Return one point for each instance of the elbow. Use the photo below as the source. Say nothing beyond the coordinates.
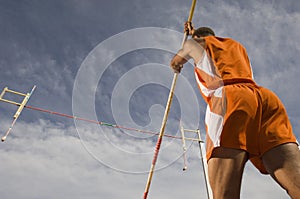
(175, 65)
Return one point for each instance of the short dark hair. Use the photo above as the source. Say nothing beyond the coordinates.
(203, 31)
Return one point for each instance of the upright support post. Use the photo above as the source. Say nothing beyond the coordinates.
(203, 160)
(21, 106)
(204, 166)
(184, 148)
(161, 132)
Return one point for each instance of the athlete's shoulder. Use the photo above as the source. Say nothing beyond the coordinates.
(222, 41)
(219, 39)
(194, 43)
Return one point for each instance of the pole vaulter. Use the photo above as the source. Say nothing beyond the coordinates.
(165, 118)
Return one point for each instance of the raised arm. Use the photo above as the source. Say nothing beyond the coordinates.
(180, 58)
(192, 49)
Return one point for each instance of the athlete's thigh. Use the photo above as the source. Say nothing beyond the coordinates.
(283, 164)
(225, 170)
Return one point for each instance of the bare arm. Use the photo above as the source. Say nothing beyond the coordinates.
(191, 50)
(177, 62)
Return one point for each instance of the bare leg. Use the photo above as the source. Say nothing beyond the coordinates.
(225, 170)
(283, 164)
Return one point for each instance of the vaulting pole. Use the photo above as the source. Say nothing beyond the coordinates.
(165, 118)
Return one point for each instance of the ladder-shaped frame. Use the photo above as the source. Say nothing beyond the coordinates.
(21, 106)
(203, 159)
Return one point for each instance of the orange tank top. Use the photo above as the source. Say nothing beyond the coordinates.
(224, 62)
(229, 58)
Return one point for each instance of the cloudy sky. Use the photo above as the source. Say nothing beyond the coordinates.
(108, 61)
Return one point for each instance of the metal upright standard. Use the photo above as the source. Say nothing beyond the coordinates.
(203, 159)
(21, 106)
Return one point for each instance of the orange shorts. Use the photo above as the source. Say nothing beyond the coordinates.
(252, 119)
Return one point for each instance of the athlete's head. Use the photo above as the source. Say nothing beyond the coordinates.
(203, 32)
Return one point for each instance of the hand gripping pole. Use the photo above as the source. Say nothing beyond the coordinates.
(165, 118)
(21, 106)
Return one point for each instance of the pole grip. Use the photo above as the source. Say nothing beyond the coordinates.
(189, 20)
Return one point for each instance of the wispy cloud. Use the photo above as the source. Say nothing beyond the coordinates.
(46, 43)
